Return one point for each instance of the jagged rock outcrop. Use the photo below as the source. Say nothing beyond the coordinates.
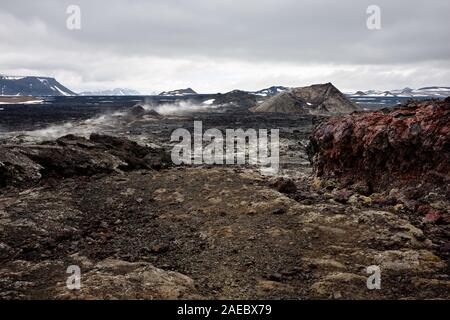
(408, 145)
(75, 156)
(315, 99)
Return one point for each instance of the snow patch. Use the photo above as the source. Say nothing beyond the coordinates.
(209, 102)
(11, 77)
(24, 102)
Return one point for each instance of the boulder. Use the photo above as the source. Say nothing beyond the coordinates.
(286, 186)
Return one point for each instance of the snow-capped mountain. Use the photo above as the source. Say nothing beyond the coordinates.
(178, 92)
(437, 92)
(268, 92)
(373, 93)
(32, 86)
(432, 91)
(114, 92)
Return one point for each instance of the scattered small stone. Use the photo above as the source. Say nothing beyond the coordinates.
(274, 276)
(279, 211)
(342, 196)
(433, 217)
(366, 200)
(353, 199)
(445, 248)
(159, 248)
(317, 184)
(285, 186)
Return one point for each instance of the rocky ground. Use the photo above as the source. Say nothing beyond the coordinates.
(144, 229)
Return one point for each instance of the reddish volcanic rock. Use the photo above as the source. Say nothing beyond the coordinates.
(410, 144)
(433, 217)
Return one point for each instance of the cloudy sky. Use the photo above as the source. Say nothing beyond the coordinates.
(220, 45)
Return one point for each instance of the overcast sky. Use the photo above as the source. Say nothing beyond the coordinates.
(220, 45)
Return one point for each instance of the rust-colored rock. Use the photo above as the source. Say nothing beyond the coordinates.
(410, 144)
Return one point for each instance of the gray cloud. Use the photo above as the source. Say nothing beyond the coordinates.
(188, 36)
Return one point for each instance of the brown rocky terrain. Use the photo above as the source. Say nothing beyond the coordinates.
(16, 99)
(140, 228)
(208, 233)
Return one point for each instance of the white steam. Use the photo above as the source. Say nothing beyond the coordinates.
(83, 128)
(110, 122)
(180, 107)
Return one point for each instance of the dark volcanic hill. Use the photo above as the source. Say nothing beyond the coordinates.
(32, 86)
(315, 99)
(237, 98)
(285, 102)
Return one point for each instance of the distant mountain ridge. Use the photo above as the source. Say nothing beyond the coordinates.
(113, 92)
(434, 91)
(178, 92)
(271, 91)
(32, 86)
(48, 86)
